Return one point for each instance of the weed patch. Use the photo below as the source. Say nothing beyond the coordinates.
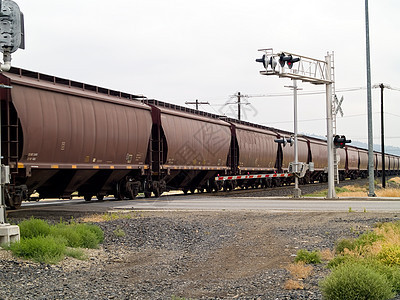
(307, 257)
(367, 267)
(291, 284)
(356, 281)
(40, 249)
(43, 243)
(299, 270)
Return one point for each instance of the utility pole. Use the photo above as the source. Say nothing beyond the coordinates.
(382, 86)
(371, 170)
(239, 96)
(197, 103)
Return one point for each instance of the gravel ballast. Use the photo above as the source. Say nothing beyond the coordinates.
(193, 255)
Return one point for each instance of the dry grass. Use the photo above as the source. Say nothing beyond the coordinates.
(291, 284)
(353, 194)
(327, 254)
(359, 191)
(110, 216)
(389, 192)
(299, 270)
(395, 179)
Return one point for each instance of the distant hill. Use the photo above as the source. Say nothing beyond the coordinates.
(388, 149)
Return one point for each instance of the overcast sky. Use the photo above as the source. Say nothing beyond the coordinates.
(183, 50)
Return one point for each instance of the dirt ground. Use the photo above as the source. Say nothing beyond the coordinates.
(200, 255)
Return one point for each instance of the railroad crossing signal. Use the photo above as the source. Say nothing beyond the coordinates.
(284, 141)
(339, 105)
(267, 61)
(340, 141)
(289, 60)
(12, 27)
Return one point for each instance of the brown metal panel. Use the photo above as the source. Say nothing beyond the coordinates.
(363, 154)
(257, 148)
(352, 159)
(387, 162)
(319, 153)
(288, 153)
(195, 140)
(342, 155)
(378, 158)
(61, 128)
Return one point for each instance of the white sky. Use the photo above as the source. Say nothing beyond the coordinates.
(183, 50)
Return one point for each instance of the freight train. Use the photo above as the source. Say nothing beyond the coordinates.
(62, 138)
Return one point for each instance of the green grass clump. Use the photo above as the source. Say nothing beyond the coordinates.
(357, 245)
(76, 253)
(307, 257)
(356, 281)
(79, 235)
(48, 244)
(119, 232)
(40, 249)
(33, 228)
(341, 259)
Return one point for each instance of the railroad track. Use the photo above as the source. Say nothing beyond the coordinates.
(282, 191)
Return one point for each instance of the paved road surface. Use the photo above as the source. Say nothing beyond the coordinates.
(201, 202)
(262, 203)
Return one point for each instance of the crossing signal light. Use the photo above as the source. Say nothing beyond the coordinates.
(12, 27)
(284, 141)
(288, 59)
(263, 60)
(267, 61)
(340, 141)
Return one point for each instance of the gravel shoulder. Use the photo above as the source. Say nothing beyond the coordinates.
(195, 255)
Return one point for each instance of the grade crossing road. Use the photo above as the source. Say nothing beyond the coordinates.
(264, 203)
(205, 202)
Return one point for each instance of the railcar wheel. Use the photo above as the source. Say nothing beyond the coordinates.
(147, 194)
(100, 197)
(185, 191)
(87, 198)
(157, 192)
(14, 202)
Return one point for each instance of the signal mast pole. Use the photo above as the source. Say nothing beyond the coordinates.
(313, 71)
(12, 38)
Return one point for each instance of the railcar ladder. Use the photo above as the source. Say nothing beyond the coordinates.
(10, 133)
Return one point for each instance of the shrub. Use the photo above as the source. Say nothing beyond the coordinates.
(366, 239)
(44, 243)
(392, 273)
(390, 255)
(79, 235)
(97, 231)
(40, 249)
(89, 238)
(341, 259)
(344, 244)
(67, 232)
(33, 228)
(356, 281)
(308, 257)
